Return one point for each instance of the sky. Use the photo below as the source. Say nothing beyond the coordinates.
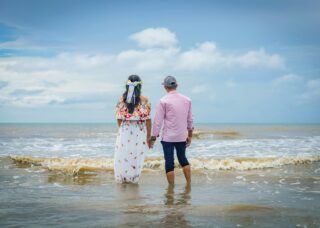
(239, 61)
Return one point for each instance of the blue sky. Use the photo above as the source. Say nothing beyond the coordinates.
(248, 61)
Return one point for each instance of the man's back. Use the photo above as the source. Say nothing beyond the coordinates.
(175, 112)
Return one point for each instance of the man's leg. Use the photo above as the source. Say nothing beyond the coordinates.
(187, 173)
(168, 149)
(181, 154)
(169, 196)
(170, 177)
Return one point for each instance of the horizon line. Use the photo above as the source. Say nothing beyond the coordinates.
(86, 122)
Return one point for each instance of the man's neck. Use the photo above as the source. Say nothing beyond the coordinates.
(172, 91)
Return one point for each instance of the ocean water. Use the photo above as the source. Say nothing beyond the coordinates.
(77, 147)
(243, 175)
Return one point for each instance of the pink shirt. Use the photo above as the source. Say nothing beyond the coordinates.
(175, 114)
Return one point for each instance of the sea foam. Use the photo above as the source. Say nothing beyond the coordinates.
(105, 164)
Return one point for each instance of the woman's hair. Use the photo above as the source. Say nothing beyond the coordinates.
(135, 100)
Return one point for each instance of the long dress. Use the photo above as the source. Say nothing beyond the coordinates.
(131, 143)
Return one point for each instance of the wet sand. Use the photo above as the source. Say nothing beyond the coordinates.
(286, 196)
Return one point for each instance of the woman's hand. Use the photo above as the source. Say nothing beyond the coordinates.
(148, 123)
(149, 143)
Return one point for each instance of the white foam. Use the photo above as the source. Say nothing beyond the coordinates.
(74, 165)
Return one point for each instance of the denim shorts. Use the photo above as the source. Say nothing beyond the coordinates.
(168, 150)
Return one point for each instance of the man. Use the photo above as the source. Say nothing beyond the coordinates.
(175, 115)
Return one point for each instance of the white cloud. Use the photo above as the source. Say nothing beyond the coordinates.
(213, 97)
(42, 81)
(199, 89)
(207, 56)
(287, 79)
(312, 90)
(259, 58)
(155, 37)
(230, 83)
(20, 44)
(70, 77)
(305, 90)
(203, 56)
(149, 59)
(314, 84)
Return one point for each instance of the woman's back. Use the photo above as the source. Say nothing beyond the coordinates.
(140, 112)
(133, 116)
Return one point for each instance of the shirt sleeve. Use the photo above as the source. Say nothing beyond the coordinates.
(190, 118)
(158, 119)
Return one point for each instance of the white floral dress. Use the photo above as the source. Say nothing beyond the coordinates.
(131, 144)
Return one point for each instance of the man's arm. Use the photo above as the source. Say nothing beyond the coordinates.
(158, 119)
(157, 122)
(190, 125)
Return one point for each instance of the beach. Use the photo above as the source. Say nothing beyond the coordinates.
(243, 175)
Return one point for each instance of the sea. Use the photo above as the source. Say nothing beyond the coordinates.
(243, 175)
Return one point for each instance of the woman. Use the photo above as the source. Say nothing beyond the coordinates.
(133, 116)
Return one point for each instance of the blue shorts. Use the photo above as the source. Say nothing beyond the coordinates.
(168, 150)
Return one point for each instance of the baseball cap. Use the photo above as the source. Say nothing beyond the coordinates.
(169, 81)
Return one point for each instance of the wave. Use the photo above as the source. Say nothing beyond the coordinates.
(216, 134)
(103, 164)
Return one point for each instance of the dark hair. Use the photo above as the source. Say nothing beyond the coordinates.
(135, 100)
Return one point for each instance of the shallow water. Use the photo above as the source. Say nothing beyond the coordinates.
(60, 175)
(286, 197)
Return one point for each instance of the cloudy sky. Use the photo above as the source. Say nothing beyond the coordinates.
(67, 61)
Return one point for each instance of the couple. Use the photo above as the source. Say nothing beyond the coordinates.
(173, 116)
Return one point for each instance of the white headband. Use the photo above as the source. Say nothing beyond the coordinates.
(131, 89)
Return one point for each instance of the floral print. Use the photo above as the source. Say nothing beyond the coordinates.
(131, 143)
(141, 112)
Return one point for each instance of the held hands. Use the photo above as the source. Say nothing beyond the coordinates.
(189, 139)
(150, 142)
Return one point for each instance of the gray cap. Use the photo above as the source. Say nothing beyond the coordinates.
(169, 81)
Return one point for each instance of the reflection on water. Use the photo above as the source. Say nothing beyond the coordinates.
(182, 198)
(127, 192)
(169, 195)
(175, 215)
(83, 179)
